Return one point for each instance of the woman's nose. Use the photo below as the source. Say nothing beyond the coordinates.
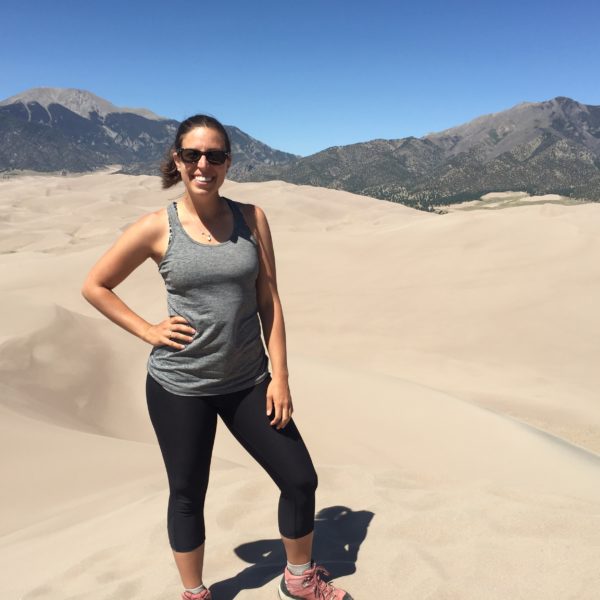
(202, 161)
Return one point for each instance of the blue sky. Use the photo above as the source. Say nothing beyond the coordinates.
(303, 76)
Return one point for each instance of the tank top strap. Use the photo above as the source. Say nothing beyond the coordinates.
(239, 223)
(174, 224)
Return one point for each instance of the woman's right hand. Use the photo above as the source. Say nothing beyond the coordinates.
(170, 332)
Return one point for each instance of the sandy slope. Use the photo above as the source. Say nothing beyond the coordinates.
(444, 378)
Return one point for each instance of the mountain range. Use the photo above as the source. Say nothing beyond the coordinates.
(544, 147)
(64, 129)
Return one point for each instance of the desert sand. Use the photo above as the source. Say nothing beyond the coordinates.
(444, 376)
(501, 200)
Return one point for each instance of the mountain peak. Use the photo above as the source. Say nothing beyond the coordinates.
(565, 100)
(79, 101)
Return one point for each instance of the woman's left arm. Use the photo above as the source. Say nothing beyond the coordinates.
(271, 317)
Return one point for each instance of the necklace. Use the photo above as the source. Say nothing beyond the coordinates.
(207, 233)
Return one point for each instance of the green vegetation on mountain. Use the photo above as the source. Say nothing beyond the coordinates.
(540, 148)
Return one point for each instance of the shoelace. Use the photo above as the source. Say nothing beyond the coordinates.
(189, 596)
(322, 589)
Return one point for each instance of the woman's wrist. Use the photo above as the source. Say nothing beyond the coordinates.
(280, 374)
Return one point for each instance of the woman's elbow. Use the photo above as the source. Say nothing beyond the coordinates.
(86, 292)
(89, 290)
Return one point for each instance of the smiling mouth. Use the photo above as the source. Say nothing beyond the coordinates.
(201, 179)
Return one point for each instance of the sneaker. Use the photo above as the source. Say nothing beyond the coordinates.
(203, 595)
(310, 586)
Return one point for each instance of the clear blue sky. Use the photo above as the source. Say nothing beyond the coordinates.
(305, 75)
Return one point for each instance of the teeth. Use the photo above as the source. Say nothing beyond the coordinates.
(203, 179)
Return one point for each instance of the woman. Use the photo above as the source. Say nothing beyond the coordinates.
(216, 258)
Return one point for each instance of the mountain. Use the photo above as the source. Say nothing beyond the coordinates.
(80, 102)
(58, 129)
(546, 147)
(249, 154)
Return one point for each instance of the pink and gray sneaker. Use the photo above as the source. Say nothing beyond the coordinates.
(310, 586)
(203, 595)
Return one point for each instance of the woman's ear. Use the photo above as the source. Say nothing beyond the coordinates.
(176, 161)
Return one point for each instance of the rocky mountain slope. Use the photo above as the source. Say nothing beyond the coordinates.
(54, 129)
(546, 147)
(80, 102)
(540, 148)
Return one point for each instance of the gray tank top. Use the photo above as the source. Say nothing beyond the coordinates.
(214, 287)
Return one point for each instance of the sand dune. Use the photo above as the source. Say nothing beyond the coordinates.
(443, 369)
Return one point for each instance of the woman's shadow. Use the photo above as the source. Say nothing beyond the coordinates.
(339, 532)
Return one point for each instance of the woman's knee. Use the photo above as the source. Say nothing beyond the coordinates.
(301, 484)
(187, 494)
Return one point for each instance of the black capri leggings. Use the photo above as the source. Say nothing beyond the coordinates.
(185, 427)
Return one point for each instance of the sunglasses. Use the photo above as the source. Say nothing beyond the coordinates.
(191, 155)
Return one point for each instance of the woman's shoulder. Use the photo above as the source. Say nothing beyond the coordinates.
(154, 219)
(150, 226)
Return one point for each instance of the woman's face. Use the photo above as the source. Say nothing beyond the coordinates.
(202, 177)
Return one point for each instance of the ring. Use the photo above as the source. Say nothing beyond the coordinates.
(170, 334)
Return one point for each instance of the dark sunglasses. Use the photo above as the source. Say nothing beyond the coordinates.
(191, 155)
